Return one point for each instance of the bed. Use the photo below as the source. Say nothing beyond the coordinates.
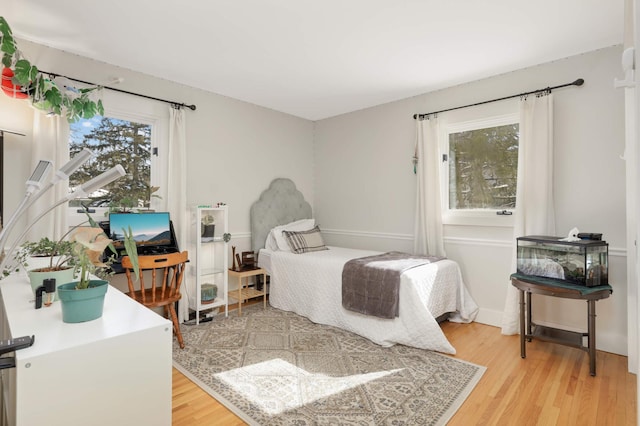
(310, 284)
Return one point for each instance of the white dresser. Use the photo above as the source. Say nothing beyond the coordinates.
(115, 370)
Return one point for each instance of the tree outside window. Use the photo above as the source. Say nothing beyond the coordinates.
(114, 141)
(483, 168)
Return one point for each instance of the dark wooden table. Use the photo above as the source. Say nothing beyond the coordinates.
(528, 285)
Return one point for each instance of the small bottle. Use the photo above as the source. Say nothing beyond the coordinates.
(50, 290)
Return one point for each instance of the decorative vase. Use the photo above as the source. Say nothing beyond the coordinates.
(62, 276)
(81, 305)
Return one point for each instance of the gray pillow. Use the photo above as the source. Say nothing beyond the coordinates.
(305, 241)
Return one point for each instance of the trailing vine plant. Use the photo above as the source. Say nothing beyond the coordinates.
(22, 79)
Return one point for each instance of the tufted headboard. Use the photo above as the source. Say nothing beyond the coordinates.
(279, 204)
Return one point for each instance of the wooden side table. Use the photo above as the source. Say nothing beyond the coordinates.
(555, 288)
(244, 292)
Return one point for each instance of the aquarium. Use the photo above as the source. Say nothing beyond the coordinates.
(583, 262)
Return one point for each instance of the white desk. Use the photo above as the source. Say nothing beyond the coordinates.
(115, 370)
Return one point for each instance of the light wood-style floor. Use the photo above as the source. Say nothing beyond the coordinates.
(552, 386)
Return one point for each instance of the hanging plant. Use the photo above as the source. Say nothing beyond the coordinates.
(10, 89)
(22, 80)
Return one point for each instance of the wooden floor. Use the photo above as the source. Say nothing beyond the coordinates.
(552, 386)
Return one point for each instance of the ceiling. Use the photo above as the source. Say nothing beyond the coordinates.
(317, 59)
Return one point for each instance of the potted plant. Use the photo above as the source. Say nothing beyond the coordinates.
(60, 265)
(21, 80)
(83, 253)
(123, 205)
(83, 299)
(129, 204)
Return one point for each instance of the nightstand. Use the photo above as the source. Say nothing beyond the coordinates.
(244, 292)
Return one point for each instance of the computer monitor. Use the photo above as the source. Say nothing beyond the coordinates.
(148, 229)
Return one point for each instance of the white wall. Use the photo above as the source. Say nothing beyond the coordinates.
(234, 148)
(357, 168)
(365, 186)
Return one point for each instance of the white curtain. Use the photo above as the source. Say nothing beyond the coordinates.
(428, 223)
(50, 142)
(177, 185)
(535, 213)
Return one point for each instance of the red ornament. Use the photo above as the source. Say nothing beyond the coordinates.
(10, 89)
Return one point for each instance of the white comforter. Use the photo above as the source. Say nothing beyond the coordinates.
(310, 285)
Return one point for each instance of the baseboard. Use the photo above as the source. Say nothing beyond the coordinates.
(606, 342)
(489, 317)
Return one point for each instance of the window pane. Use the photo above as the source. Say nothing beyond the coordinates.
(483, 167)
(114, 141)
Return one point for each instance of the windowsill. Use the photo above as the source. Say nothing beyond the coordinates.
(75, 218)
(479, 218)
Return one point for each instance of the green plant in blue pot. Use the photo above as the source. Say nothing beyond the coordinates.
(83, 300)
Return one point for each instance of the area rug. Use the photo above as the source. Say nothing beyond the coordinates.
(272, 367)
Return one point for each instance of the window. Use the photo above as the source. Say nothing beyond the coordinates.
(132, 133)
(113, 141)
(480, 167)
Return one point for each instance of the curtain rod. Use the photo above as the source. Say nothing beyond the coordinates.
(13, 132)
(174, 104)
(578, 82)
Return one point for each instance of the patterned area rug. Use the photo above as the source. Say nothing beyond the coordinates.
(272, 367)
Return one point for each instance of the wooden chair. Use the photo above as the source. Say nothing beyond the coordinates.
(167, 272)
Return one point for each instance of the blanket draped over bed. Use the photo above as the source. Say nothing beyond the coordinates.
(309, 284)
(371, 284)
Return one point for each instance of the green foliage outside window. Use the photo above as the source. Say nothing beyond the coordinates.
(115, 141)
(483, 168)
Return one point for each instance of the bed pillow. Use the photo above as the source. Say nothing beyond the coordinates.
(276, 241)
(270, 243)
(305, 241)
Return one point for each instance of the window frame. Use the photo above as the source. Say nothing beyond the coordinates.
(139, 110)
(474, 217)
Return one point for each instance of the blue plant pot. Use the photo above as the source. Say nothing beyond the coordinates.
(82, 305)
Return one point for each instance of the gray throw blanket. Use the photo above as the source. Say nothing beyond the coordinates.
(371, 285)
